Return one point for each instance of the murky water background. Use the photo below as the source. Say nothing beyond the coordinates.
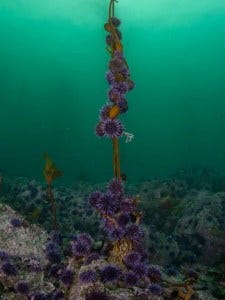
(52, 66)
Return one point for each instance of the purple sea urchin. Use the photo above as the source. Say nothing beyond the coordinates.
(132, 258)
(57, 295)
(15, 222)
(3, 255)
(128, 205)
(94, 198)
(67, 277)
(155, 289)
(35, 266)
(116, 234)
(115, 21)
(85, 239)
(88, 276)
(125, 72)
(82, 245)
(139, 269)
(110, 77)
(104, 112)
(122, 87)
(53, 252)
(92, 257)
(39, 296)
(56, 237)
(79, 249)
(115, 187)
(109, 39)
(123, 219)
(8, 268)
(114, 95)
(116, 64)
(154, 274)
(134, 233)
(54, 270)
(123, 105)
(130, 279)
(97, 295)
(110, 273)
(112, 128)
(22, 287)
(107, 204)
(99, 130)
(130, 85)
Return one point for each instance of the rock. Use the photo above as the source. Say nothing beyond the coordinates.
(24, 247)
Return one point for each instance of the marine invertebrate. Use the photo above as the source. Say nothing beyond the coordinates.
(54, 270)
(35, 266)
(57, 295)
(154, 274)
(118, 77)
(120, 214)
(123, 219)
(92, 257)
(155, 289)
(50, 173)
(139, 269)
(4, 255)
(112, 128)
(53, 252)
(99, 130)
(171, 270)
(132, 258)
(67, 276)
(8, 268)
(15, 222)
(88, 276)
(115, 21)
(94, 198)
(134, 233)
(22, 287)
(110, 76)
(107, 205)
(110, 273)
(56, 237)
(130, 279)
(115, 187)
(123, 106)
(81, 246)
(97, 295)
(104, 112)
(39, 296)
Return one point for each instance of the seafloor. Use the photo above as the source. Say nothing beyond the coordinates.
(183, 225)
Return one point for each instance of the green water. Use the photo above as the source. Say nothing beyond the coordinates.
(52, 66)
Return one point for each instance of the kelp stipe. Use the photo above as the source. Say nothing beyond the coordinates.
(50, 173)
(118, 77)
(119, 213)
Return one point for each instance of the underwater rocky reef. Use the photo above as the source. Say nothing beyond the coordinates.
(181, 235)
(153, 240)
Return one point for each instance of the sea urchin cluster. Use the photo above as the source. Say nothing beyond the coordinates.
(120, 218)
(118, 77)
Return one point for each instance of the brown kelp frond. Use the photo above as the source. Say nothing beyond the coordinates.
(50, 171)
